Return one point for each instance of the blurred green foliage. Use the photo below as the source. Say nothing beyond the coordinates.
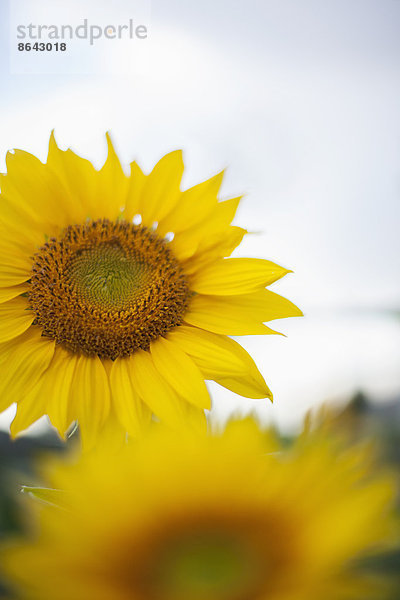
(17, 467)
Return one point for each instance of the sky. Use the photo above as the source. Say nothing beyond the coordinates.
(299, 100)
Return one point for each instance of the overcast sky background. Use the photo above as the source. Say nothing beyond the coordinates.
(300, 99)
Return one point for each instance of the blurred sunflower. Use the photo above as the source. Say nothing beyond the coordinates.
(222, 517)
(116, 298)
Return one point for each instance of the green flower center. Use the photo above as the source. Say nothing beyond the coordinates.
(107, 288)
(208, 566)
(105, 276)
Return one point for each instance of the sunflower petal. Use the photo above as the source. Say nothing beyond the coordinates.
(180, 371)
(7, 293)
(252, 385)
(184, 245)
(17, 228)
(195, 205)
(220, 219)
(137, 181)
(24, 179)
(220, 314)
(13, 256)
(91, 397)
(236, 276)
(56, 387)
(15, 318)
(213, 248)
(154, 390)
(37, 190)
(236, 315)
(161, 189)
(112, 185)
(79, 178)
(246, 387)
(11, 275)
(29, 410)
(212, 230)
(266, 305)
(132, 413)
(207, 350)
(194, 418)
(26, 358)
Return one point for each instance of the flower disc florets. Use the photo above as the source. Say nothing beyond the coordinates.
(107, 288)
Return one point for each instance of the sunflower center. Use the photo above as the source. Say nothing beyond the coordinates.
(207, 565)
(106, 277)
(107, 288)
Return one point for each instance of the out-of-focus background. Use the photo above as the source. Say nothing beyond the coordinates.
(300, 99)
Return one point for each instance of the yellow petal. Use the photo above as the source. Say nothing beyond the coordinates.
(132, 413)
(236, 276)
(49, 396)
(25, 173)
(268, 306)
(240, 315)
(184, 245)
(15, 318)
(213, 248)
(154, 390)
(220, 219)
(113, 436)
(212, 230)
(194, 418)
(251, 385)
(7, 293)
(112, 185)
(56, 387)
(26, 358)
(195, 205)
(224, 243)
(221, 314)
(29, 410)
(180, 371)
(78, 178)
(207, 350)
(13, 256)
(247, 387)
(11, 275)
(91, 398)
(20, 229)
(136, 184)
(37, 191)
(161, 189)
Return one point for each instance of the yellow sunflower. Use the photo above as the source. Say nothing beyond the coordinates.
(223, 517)
(116, 296)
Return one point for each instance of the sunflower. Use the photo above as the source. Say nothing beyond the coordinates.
(116, 296)
(218, 517)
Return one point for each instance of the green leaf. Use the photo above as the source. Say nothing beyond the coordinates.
(46, 495)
